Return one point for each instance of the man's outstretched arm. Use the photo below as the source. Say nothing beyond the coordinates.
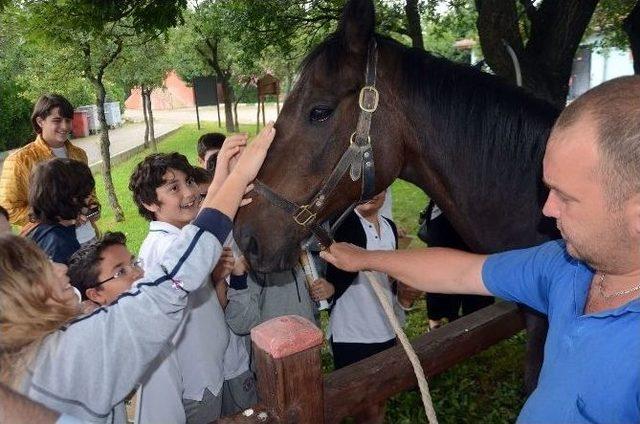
(435, 270)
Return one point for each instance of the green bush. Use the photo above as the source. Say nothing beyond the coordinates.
(15, 112)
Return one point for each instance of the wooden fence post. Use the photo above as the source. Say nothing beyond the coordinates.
(289, 370)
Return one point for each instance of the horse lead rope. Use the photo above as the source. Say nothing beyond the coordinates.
(413, 357)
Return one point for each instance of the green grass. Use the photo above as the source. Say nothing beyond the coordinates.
(484, 389)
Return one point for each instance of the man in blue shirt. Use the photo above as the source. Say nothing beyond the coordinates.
(588, 283)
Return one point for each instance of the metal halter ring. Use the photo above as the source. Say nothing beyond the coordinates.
(376, 98)
(352, 140)
(300, 214)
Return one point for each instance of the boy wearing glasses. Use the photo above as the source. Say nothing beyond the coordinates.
(104, 269)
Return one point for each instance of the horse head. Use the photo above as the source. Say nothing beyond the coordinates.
(314, 129)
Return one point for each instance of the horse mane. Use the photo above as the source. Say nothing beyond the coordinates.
(471, 114)
(476, 114)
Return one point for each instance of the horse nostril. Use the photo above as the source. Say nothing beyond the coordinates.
(252, 247)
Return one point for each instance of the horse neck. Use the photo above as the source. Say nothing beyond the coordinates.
(493, 203)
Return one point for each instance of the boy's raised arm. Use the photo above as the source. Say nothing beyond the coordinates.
(227, 198)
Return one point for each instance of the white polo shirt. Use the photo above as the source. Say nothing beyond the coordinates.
(199, 345)
(357, 316)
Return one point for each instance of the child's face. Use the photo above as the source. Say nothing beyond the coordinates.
(117, 271)
(178, 199)
(373, 205)
(55, 128)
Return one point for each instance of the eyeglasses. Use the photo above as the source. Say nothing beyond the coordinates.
(135, 264)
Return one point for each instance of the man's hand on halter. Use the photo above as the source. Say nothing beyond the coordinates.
(345, 256)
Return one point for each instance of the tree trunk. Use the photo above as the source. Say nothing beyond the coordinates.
(224, 76)
(228, 102)
(546, 61)
(235, 116)
(414, 27)
(152, 133)
(631, 26)
(238, 99)
(146, 118)
(105, 153)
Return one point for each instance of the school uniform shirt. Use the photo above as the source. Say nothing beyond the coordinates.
(357, 316)
(236, 357)
(199, 346)
(88, 367)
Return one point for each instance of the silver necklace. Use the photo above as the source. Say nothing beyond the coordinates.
(614, 294)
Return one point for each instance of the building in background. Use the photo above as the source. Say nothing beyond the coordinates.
(594, 65)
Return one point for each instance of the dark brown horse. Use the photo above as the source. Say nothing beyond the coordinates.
(472, 142)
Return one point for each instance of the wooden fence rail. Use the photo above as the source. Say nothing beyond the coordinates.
(291, 388)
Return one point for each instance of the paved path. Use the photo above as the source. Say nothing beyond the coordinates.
(130, 137)
(123, 139)
(246, 114)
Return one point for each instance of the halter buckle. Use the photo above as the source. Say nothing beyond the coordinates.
(303, 216)
(352, 139)
(369, 91)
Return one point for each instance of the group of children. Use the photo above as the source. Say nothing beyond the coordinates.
(179, 313)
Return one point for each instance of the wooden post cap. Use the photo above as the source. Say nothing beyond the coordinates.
(286, 335)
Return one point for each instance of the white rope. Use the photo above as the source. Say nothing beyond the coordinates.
(413, 358)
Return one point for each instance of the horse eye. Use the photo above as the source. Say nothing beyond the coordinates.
(320, 114)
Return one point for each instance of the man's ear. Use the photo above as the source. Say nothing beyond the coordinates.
(95, 295)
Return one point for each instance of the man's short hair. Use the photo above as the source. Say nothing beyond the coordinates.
(84, 264)
(147, 177)
(58, 189)
(45, 105)
(202, 176)
(209, 141)
(614, 108)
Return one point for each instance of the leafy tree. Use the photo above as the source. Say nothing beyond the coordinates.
(89, 37)
(545, 38)
(15, 126)
(210, 43)
(144, 64)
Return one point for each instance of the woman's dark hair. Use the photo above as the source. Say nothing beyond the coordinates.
(84, 264)
(209, 141)
(45, 105)
(4, 212)
(58, 189)
(147, 177)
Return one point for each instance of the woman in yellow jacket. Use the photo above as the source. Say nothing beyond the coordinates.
(51, 120)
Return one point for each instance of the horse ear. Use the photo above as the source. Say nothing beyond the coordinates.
(357, 24)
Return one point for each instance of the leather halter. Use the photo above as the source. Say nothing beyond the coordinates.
(357, 159)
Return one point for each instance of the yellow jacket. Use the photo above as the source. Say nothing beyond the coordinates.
(16, 170)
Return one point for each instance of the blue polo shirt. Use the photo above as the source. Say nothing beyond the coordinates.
(591, 369)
